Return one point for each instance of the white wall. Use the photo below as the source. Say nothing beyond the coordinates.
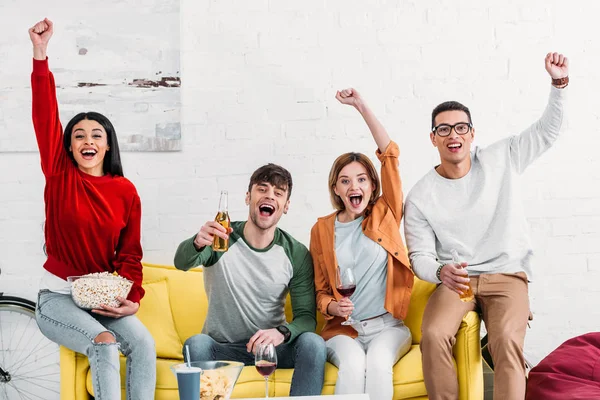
(258, 85)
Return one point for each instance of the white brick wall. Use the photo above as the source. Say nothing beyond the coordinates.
(258, 84)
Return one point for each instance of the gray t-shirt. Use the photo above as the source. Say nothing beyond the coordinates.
(247, 287)
(481, 214)
(368, 261)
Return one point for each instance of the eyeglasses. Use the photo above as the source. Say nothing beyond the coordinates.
(462, 128)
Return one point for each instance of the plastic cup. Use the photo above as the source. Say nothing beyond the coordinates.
(188, 380)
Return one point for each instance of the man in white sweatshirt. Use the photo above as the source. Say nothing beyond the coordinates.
(470, 203)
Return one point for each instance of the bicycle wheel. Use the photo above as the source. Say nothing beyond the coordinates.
(29, 362)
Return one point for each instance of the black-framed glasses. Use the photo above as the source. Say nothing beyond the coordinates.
(461, 128)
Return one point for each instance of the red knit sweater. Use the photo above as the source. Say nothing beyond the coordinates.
(92, 223)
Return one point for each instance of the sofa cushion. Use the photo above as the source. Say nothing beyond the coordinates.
(188, 298)
(408, 375)
(418, 300)
(155, 313)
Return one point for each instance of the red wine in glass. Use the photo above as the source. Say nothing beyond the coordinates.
(347, 290)
(265, 368)
(345, 285)
(265, 361)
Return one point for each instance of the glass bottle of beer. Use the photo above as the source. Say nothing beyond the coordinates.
(220, 244)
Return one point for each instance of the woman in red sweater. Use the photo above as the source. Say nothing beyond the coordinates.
(93, 218)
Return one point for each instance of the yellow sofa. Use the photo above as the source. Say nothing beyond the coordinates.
(181, 294)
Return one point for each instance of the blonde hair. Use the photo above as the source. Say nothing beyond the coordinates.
(337, 167)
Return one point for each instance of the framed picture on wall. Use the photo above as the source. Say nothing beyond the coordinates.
(117, 57)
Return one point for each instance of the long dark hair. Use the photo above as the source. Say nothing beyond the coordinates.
(112, 159)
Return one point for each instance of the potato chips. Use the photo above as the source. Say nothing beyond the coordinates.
(214, 385)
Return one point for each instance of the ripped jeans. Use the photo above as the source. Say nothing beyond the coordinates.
(61, 321)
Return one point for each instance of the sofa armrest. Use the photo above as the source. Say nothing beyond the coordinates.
(73, 375)
(467, 353)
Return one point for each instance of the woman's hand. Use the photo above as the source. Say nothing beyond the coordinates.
(126, 308)
(349, 97)
(352, 98)
(342, 308)
(40, 35)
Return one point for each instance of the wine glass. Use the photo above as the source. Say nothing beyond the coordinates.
(346, 285)
(265, 361)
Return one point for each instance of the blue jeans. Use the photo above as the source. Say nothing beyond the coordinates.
(61, 321)
(306, 354)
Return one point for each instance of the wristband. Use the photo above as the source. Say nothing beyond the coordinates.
(560, 81)
(439, 271)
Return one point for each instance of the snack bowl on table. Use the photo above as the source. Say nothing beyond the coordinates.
(217, 379)
(91, 290)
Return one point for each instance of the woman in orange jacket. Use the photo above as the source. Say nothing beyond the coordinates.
(363, 235)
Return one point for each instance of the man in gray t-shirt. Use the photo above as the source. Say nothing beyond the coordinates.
(247, 287)
(470, 203)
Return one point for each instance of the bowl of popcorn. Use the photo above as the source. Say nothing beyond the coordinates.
(100, 288)
(217, 378)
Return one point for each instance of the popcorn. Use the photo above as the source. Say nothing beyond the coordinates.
(214, 385)
(91, 290)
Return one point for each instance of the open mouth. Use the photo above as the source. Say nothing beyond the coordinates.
(88, 154)
(266, 210)
(355, 199)
(454, 147)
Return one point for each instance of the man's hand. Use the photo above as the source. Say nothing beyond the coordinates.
(207, 233)
(40, 35)
(455, 277)
(342, 308)
(126, 308)
(349, 97)
(557, 65)
(265, 337)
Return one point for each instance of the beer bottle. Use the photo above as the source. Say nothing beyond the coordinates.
(222, 218)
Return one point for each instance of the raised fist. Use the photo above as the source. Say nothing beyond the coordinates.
(349, 97)
(557, 65)
(41, 33)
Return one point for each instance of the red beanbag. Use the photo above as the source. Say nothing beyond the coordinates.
(572, 371)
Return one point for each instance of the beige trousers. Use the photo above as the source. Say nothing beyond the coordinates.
(503, 302)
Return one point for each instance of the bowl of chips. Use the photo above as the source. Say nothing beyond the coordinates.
(217, 379)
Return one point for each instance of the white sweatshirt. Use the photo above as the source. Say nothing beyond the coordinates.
(481, 214)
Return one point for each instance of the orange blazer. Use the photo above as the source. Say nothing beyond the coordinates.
(381, 224)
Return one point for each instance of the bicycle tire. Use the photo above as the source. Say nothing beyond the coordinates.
(30, 359)
(18, 302)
